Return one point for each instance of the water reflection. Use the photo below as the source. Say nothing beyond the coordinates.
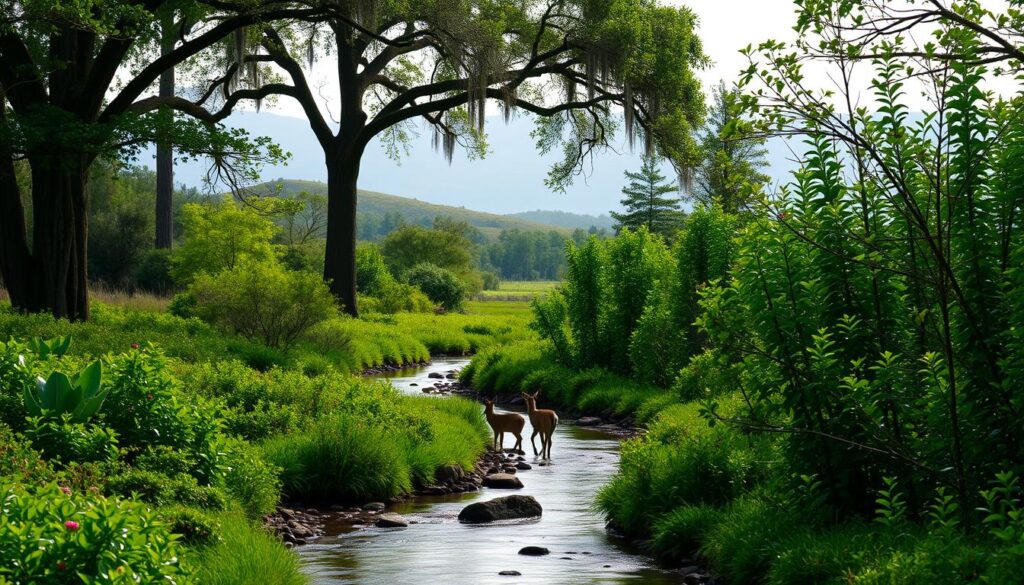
(438, 549)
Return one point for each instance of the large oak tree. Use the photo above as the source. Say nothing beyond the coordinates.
(572, 63)
(73, 84)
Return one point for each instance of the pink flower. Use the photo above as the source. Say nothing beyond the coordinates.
(62, 566)
(135, 346)
(65, 489)
(149, 397)
(782, 215)
(71, 525)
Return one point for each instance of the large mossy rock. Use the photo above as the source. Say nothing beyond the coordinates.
(505, 508)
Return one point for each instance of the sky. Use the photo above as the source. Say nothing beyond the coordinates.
(511, 177)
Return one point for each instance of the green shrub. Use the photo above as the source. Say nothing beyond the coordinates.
(153, 273)
(442, 286)
(64, 441)
(261, 301)
(87, 538)
(246, 555)
(682, 461)
(164, 489)
(259, 357)
(748, 535)
(196, 527)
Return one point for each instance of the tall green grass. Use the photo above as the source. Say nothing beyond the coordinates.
(378, 451)
(247, 555)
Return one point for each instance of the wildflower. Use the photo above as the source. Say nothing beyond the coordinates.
(62, 566)
(135, 346)
(149, 397)
(65, 489)
(782, 215)
(71, 525)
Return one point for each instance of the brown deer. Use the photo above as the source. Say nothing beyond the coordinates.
(501, 423)
(543, 421)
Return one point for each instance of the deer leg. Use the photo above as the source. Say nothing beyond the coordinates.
(535, 431)
(519, 442)
(550, 435)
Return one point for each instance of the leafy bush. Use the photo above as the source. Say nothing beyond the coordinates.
(163, 489)
(87, 536)
(65, 441)
(442, 286)
(196, 527)
(261, 301)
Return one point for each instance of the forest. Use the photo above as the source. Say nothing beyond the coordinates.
(807, 380)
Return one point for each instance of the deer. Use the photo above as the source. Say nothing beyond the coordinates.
(543, 421)
(501, 423)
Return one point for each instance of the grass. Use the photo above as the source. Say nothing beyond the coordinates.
(520, 290)
(382, 450)
(247, 555)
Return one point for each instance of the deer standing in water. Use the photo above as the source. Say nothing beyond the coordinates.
(543, 421)
(501, 423)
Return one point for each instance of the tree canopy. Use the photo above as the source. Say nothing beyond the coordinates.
(646, 204)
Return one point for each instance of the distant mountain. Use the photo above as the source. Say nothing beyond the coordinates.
(566, 219)
(415, 211)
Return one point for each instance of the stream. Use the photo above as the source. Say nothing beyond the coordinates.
(439, 549)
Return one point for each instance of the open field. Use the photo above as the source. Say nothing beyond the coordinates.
(520, 290)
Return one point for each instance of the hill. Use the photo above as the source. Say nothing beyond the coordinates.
(415, 211)
(566, 219)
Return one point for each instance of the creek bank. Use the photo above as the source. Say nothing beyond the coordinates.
(297, 524)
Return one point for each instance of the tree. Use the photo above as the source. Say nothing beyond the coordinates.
(411, 245)
(730, 170)
(164, 151)
(72, 81)
(218, 237)
(440, 61)
(646, 204)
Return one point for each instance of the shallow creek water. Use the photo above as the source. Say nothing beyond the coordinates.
(438, 549)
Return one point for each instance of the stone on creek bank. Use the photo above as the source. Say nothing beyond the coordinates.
(588, 421)
(534, 551)
(436, 375)
(523, 466)
(505, 508)
(509, 573)
(502, 481)
(374, 507)
(391, 520)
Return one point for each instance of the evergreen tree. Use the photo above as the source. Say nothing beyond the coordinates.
(645, 203)
(730, 169)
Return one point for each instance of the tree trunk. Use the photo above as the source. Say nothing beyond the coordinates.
(164, 152)
(340, 255)
(53, 276)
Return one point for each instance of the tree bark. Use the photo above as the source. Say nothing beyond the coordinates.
(340, 255)
(164, 152)
(54, 276)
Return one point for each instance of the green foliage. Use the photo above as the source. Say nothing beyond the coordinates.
(261, 301)
(246, 554)
(729, 175)
(445, 247)
(195, 527)
(440, 285)
(64, 441)
(78, 397)
(220, 236)
(373, 278)
(645, 203)
(107, 540)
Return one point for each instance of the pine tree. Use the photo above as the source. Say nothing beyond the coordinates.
(645, 203)
(730, 170)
